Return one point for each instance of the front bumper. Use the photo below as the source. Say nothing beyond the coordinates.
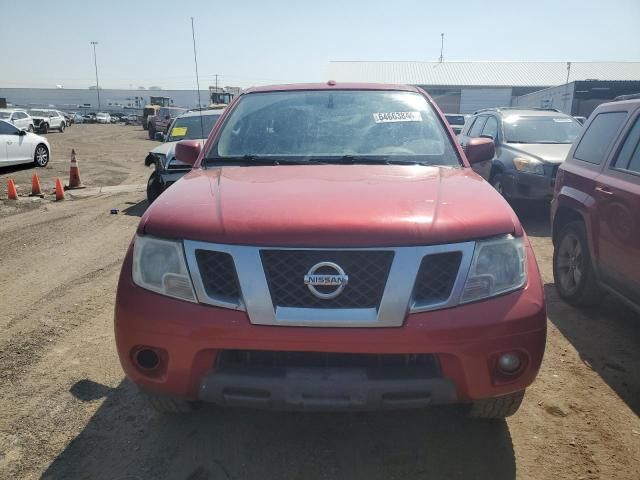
(528, 186)
(466, 341)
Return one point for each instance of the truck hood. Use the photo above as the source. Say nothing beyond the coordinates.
(330, 205)
(546, 152)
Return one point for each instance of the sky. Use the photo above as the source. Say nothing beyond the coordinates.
(248, 42)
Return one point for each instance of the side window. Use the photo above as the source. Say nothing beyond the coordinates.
(7, 129)
(476, 128)
(629, 156)
(491, 127)
(21, 115)
(595, 142)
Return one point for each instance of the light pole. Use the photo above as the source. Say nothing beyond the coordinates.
(95, 62)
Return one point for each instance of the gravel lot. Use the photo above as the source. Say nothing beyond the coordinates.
(67, 412)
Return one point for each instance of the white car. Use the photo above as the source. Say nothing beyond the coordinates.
(20, 118)
(103, 117)
(18, 146)
(45, 119)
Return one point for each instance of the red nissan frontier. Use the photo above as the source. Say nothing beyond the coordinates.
(332, 249)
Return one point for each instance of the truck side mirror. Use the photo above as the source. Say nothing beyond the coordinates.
(188, 151)
(479, 150)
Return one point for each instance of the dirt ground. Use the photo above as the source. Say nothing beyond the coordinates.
(67, 412)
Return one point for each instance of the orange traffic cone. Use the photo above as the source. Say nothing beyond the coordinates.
(35, 185)
(59, 190)
(12, 193)
(74, 173)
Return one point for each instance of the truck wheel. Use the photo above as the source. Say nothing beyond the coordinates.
(573, 271)
(62, 126)
(30, 128)
(154, 187)
(168, 404)
(44, 128)
(496, 408)
(152, 132)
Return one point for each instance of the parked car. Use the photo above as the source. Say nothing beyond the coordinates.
(46, 119)
(19, 146)
(67, 118)
(103, 117)
(595, 213)
(530, 146)
(119, 117)
(456, 120)
(77, 118)
(161, 121)
(89, 118)
(17, 117)
(131, 119)
(331, 249)
(167, 169)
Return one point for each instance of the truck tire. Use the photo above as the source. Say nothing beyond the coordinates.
(154, 187)
(168, 404)
(62, 127)
(573, 271)
(496, 408)
(152, 132)
(44, 128)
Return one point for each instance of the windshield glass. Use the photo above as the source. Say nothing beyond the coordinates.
(39, 113)
(455, 119)
(190, 128)
(337, 123)
(5, 114)
(539, 129)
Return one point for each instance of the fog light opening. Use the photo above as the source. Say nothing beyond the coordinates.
(147, 359)
(509, 363)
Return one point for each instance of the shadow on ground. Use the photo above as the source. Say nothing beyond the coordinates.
(534, 217)
(607, 337)
(124, 439)
(136, 209)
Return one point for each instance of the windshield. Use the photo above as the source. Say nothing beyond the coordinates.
(190, 128)
(5, 114)
(540, 129)
(330, 124)
(39, 113)
(455, 119)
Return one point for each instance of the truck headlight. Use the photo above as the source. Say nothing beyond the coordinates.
(159, 266)
(528, 165)
(498, 266)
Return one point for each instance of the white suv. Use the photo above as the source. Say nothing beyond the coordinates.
(45, 119)
(19, 118)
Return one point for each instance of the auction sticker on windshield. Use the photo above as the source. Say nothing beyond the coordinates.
(178, 131)
(397, 117)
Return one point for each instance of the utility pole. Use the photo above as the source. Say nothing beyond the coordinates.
(95, 62)
(441, 59)
(216, 83)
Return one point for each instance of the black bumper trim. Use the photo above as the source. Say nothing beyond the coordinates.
(325, 389)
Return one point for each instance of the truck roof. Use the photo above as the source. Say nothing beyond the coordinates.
(331, 85)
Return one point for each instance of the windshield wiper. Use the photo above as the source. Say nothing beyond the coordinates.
(248, 160)
(369, 160)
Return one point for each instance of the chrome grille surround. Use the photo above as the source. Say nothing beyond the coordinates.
(397, 298)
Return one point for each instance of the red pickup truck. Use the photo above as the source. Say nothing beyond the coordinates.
(331, 249)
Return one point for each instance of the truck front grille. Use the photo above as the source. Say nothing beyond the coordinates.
(218, 274)
(367, 270)
(436, 276)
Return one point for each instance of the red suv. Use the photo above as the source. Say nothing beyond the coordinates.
(331, 249)
(596, 209)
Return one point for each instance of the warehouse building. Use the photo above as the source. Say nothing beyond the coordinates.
(464, 87)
